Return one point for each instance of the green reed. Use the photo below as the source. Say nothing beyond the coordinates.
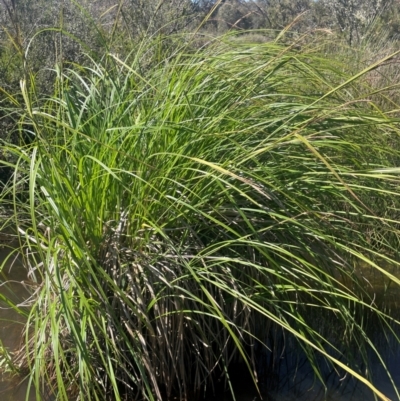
(175, 211)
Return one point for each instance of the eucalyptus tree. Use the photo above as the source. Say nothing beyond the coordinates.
(280, 13)
(234, 14)
(147, 17)
(40, 34)
(355, 17)
(260, 14)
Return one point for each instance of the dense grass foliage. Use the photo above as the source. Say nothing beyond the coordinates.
(173, 215)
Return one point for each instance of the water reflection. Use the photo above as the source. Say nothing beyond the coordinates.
(285, 374)
(290, 377)
(11, 323)
(296, 377)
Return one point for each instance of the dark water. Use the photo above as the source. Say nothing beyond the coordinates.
(292, 378)
(287, 375)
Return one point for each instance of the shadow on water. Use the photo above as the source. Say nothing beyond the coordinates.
(286, 374)
(292, 378)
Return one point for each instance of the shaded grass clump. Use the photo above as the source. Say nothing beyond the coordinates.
(174, 215)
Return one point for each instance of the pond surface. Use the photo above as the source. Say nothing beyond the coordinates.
(12, 281)
(293, 381)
